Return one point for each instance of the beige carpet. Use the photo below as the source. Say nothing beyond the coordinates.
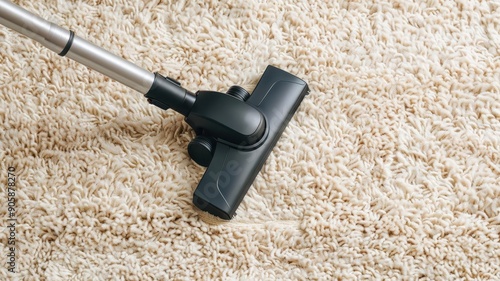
(389, 170)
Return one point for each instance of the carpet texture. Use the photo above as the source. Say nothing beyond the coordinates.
(389, 170)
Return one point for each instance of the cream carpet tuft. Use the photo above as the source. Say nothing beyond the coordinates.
(389, 170)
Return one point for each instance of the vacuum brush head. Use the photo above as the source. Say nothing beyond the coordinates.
(233, 168)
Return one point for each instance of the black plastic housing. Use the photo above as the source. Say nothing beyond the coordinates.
(233, 169)
(226, 117)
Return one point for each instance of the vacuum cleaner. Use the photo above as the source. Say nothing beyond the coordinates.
(235, 131)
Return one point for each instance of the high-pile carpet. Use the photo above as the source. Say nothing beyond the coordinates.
(389, 170)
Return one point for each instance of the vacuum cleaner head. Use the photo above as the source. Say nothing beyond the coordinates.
(235, 131)
(233, 168)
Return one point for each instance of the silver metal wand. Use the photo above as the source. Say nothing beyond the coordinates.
(66, 43)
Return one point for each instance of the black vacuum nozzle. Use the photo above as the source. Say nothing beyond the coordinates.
(236, 132)
(234, 167)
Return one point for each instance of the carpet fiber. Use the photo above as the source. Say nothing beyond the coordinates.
(389, 170)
